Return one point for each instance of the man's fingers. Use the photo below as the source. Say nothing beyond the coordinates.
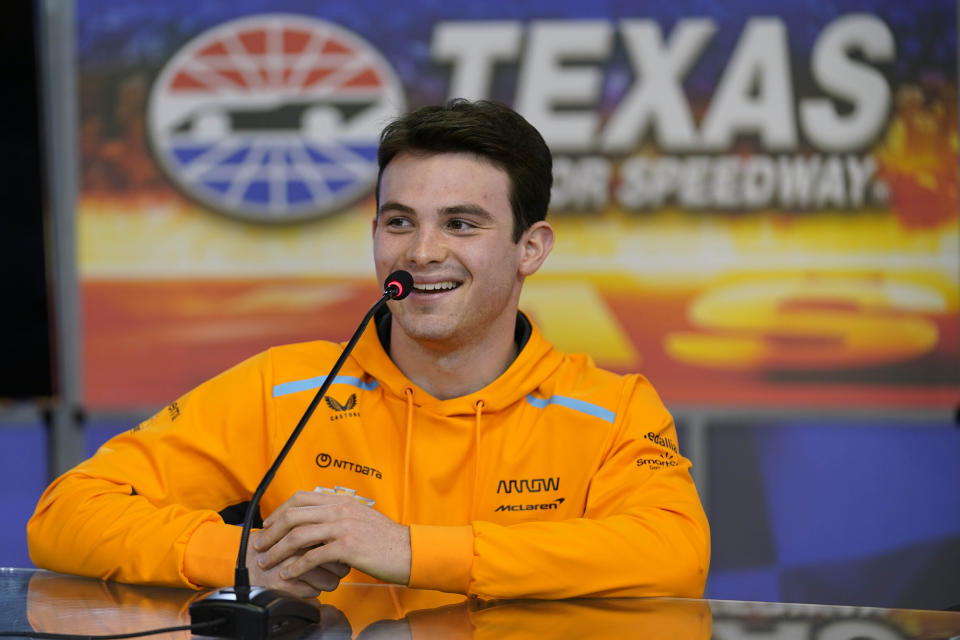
(301, 588)
(337, 568)
(305, 536)
(273, 580)
(320, 556)
(313, 529)
(291, 515)
(289, 519)
(319, 579)
(303, 499)
(307, 583)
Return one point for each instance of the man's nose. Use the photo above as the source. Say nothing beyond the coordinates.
(426, 246)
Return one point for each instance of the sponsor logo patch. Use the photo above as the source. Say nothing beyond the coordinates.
(528, 485)
(546, 506)
(325, 460)
(344, 410)
(661, 441)
(660, 462)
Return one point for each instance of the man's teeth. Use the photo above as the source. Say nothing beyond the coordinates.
(436, 286)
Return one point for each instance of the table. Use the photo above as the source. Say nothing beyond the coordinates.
(45, 601)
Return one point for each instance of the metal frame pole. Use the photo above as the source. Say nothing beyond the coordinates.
(65, 443)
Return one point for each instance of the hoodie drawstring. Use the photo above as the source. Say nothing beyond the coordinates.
(476, 458)
(408, 394)
(404, 503)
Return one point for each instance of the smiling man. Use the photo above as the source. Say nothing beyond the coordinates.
(447, 219)
(459, 450)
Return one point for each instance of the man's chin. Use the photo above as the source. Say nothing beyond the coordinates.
(426, 329)
(430, 335)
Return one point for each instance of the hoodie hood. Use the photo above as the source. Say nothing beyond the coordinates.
(536, 360)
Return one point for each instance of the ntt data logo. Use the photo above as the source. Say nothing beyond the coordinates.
(274, 117)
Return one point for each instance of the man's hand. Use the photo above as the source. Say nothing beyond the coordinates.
(312, 530)
(325, 577)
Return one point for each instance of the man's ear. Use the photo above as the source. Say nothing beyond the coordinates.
(535, 243)
(373, 226)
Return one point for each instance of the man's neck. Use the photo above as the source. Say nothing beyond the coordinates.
(446, 370)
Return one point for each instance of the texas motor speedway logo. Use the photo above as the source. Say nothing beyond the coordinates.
(273, 117)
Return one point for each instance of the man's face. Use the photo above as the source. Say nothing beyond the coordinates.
(446, 218)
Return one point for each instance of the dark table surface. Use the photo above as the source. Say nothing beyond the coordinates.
(44, 601)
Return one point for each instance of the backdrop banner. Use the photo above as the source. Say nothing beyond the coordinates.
(753, 209)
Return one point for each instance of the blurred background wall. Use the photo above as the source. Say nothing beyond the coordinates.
(756, 210)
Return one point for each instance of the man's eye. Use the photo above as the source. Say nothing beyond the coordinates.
(397, 222)
(460, 225)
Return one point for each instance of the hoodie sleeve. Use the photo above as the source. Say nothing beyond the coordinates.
(643, 531)
(144, 508)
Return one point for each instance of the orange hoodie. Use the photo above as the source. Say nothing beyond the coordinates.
(556, 480)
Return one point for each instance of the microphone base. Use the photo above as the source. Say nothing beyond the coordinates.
(265, 613)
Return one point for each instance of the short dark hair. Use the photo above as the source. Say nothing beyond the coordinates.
(487, 129)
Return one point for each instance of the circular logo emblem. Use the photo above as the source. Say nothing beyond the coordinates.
(273, 118)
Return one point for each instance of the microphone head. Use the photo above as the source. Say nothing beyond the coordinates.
(398, 284)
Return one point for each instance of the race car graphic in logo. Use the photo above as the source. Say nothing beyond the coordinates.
(274, 117)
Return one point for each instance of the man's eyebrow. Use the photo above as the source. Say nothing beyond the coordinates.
(452, 210)
(469, 209)
(392, 205)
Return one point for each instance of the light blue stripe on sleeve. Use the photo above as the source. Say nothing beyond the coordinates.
(577, 405)
(314, 383)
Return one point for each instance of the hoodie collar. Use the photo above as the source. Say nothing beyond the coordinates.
(536, 360)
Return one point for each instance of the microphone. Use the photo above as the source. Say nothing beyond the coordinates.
(400, 282)
(256, 613)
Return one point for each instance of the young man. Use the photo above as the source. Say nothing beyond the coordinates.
(497, 466)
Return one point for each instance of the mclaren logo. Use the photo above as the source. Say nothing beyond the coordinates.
(546, 506)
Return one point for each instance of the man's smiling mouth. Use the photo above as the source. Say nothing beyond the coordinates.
(435, 287)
